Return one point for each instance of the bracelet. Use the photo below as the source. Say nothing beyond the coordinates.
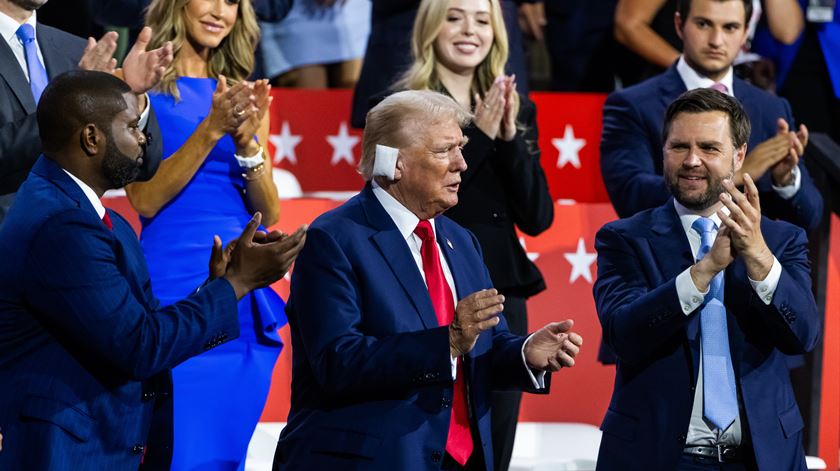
(252, 161)
(254, 173)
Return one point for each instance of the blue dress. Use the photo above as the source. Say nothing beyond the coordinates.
(218, 395)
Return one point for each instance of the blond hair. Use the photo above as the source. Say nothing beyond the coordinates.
(422, 74)
(233, 58)
(399, 118)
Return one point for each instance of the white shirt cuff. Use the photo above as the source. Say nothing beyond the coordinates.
(144, 116)
(537, 380)
(787, 192)
(690, 297)
(454, 361)
(767, 287)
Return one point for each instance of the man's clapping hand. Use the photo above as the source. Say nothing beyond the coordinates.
(552, 347)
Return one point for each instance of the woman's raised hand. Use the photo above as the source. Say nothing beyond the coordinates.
(243, 136)
(508, 128)
(231, 107)
(490, 110)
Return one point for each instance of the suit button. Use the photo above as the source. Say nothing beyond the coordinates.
(681, 438)
(436, 456)
(138, 449)
(445, 403)
(148, 395)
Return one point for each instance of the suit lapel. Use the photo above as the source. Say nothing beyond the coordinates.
(671, 86)
(56, 60)
(51, 171)
(396, 254)
(13, 75)
(453, 258)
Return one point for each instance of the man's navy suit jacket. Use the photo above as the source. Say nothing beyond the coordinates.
(658, 347)
(371, 375)
(85, 348)
(631, 148)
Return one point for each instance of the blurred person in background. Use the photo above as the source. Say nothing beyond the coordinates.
(320, 44)
(808, 69)
(388, 54)
(645, 28)
(460, 49)
(213, 177)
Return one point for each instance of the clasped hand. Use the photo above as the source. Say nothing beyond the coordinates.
(494, 115)
(779, 154)
(740, 234)
(255, 259)
(238, 110)
(142, 69)
(548, 349)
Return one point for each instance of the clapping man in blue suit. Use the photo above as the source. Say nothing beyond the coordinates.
(701, 299)
(85, 349)
(713, 33)
(396, 330)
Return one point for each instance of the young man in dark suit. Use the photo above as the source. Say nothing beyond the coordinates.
(85, 348)
(31, 54)
(713, 32)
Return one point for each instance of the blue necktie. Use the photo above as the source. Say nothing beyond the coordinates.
(720, 399)
(37, 74)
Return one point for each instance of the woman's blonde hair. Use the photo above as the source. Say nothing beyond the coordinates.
(233, 58)
(422, 75)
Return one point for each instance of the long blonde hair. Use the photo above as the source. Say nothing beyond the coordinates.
(422, 74)
(233, 58)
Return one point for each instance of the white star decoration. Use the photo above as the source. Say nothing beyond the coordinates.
(532, 256)
(568, 146)
(581, 260)
(284, 144)
(342, 145)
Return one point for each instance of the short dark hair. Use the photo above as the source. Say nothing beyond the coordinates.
(703, 100)
(684, 7)
(75, 99)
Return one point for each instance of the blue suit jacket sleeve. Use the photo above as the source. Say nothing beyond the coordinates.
(627, 159)
(76, 286)
(637, 319)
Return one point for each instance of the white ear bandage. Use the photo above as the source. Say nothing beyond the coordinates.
(385, 161)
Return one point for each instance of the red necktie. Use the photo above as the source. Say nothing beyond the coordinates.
(459, 442)
(106, 219)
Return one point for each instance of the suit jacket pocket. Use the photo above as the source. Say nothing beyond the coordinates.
(791, 421)
(349, 443)
(67, 417)
(620, 425)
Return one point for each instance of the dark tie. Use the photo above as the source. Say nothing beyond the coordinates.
(37, 74)
(720, 400)
(106, 219)
(459, 442)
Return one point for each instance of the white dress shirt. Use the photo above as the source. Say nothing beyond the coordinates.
(700, 431)
(693, 81)
(8, 28)
(91, 195)
(406, 222)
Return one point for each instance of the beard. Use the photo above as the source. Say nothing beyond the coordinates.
(119, 169)
(702, 201)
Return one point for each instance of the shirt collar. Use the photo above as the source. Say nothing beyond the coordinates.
(694, 80)
(91, 195)
(405, 220)
(9, 26)
(688, 216)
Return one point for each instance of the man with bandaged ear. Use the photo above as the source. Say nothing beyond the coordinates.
(397, 332)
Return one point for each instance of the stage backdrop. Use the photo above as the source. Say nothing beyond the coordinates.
(315, 153)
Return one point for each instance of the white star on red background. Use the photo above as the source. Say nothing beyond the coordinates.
(342, 145)
(581, 260)
(284, 144)
(532, 256)
(569, 148)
